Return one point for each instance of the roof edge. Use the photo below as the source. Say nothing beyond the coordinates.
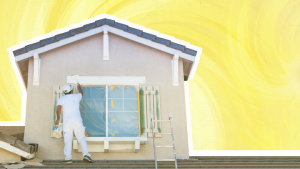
(99, 21)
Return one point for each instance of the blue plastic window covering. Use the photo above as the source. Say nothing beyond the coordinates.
(93, 110)
(122, 111)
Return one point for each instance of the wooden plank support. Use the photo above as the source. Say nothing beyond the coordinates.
(105, 44)
(106, 146)
(175, 69)
(36, 69)
(15, 150)
(136, 146)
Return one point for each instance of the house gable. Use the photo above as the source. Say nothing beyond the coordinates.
(19, 54)
(100, 23)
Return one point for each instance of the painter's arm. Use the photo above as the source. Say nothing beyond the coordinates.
(79, 89)
(58, 111)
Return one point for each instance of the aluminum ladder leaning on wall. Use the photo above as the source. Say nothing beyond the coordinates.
(163, 146)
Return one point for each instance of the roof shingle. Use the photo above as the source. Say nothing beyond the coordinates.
(148, 36)
(76, 31)
(177, 46)
(33, 46)
(90, 26)
(120, 26)
(100, 23)
(62, 36)
(134, 31)
(48, 41)
(162, 41)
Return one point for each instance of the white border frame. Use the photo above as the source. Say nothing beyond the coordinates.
(226, 152)
(244, 153)
(23, 90)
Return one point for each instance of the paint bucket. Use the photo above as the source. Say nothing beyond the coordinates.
(57, 131)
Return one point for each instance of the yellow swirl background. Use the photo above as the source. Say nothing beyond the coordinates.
(245, 94)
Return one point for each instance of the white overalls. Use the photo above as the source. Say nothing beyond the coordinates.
(72, 121)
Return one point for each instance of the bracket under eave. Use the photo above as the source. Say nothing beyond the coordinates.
(105, 44)
(36, 69)
(175, 69)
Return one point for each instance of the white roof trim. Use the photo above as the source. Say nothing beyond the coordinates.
(116, 31)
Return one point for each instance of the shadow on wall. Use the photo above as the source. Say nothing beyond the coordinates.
(16, 131)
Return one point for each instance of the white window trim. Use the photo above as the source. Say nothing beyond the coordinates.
(107, 80)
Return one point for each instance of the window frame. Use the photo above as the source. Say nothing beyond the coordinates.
(107, 111)
(107, 81)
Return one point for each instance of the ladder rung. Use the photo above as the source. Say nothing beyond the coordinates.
(163, 133)
(165, 160)
(164, 146)
(161, 120)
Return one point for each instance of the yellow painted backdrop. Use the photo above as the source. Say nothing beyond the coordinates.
(245, 94)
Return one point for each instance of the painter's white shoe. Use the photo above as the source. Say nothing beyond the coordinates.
(67, 161)
(87, 159)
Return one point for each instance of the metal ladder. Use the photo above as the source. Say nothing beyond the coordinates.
(163, 146)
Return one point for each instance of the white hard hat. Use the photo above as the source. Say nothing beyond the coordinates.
(67, 88)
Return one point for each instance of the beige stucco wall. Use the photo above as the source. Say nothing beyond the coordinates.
(127, 58)
(6, 156)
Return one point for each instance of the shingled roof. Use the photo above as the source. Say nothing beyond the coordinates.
(99, 23)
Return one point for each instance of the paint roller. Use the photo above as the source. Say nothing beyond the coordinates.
(75, 77)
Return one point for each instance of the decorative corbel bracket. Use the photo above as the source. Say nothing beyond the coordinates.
(175, 69)
(36, 69)
(105, 44)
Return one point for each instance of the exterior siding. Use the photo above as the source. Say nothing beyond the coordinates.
(8, 156)
(85, 57)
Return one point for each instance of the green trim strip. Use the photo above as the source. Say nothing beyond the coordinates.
(149, 105)
(157, 111)
(54, 108)
(142, 113)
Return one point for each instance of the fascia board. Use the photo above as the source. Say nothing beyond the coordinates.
(76, 25)
(98, 30)
(195, 64)
(59, 43)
